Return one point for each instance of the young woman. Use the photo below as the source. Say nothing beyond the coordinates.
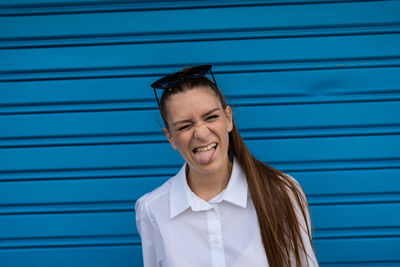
(224, 207)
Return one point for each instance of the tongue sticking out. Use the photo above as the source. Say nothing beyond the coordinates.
(204, 157)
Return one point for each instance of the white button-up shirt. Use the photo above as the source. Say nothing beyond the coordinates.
(180, 229)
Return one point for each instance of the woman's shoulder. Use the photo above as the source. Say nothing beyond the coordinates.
(294, 180)
(301, 202)
(154, 196)
(295, 191)
(159, 194)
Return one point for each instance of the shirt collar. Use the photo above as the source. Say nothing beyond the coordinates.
(237, 189)
(181, 196)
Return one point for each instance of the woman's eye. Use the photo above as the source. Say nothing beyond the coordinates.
(212, 117)
(183, 127)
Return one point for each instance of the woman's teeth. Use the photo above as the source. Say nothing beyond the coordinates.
(206, 148)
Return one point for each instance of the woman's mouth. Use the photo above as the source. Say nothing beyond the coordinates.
(205, 148)
(203, 154)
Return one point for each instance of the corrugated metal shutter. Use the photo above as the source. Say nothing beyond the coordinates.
(315, 90)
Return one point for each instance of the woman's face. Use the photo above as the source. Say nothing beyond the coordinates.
(199, 127)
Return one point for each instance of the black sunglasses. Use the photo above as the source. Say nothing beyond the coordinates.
(170, 80)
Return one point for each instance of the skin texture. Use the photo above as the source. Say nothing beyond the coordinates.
(196, 119)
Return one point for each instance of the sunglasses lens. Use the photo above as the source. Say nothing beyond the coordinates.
(165, 82)
(197, 72)
(170, 80)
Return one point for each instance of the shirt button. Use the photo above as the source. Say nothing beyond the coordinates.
(215, 214)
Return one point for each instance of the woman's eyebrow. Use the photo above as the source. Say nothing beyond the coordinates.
(189, 121)
(209, 112)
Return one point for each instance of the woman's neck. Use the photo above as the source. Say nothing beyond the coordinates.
(207, 186)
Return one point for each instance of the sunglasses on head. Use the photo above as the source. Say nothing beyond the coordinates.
(170, 80)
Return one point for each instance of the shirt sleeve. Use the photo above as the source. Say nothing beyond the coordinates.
(306, 234)
(147, 234)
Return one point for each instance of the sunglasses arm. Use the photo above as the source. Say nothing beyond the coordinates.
(155, 93)
(213, 77)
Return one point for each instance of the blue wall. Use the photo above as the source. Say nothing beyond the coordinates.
(315, 88)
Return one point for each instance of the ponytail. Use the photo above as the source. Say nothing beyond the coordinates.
(271, 191)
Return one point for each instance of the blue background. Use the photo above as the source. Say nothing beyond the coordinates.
(315, 89)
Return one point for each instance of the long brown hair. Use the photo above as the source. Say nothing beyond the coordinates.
(275, 195)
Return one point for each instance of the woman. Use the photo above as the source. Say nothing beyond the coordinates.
(224, 207)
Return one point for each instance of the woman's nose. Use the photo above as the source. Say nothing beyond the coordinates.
(201, 132)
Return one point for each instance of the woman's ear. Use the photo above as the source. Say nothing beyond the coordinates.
(228, 114)
(170, 139)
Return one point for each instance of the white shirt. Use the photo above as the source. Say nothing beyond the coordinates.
(180, 229)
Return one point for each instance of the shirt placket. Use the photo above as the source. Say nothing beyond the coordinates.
(215, 237)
